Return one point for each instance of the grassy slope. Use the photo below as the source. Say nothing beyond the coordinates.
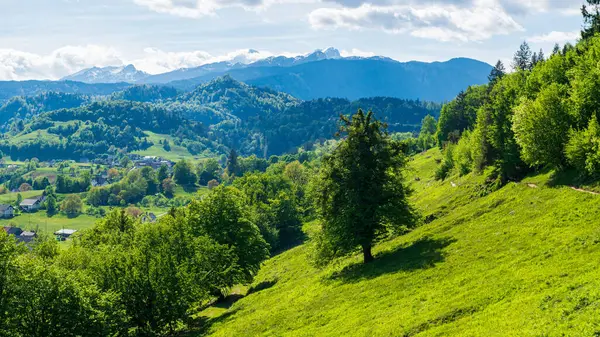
(176, 153)
(521, 261)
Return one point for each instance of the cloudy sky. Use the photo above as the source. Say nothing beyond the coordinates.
(48, 39)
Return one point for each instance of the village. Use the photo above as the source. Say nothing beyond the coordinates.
(100, 175)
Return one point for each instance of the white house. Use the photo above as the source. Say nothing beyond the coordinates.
(32, 204)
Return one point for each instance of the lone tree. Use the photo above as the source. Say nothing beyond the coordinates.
(522, 58)
(361, 196)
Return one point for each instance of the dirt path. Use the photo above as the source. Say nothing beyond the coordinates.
(584, 191)
(572, 187)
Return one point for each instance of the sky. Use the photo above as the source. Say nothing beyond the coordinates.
(49, 39)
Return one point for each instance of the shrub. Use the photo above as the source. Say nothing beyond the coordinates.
(447, 164)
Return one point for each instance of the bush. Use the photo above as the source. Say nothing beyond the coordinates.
(447, 164)
(463, 156)
(583, 149)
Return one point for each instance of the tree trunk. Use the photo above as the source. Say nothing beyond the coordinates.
(368, 256)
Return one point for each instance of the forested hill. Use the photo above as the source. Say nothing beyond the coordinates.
(217, 116)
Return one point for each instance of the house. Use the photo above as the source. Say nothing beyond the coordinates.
(27, 237)
(149, 217)
(7, 211)
(63, 234)
(32, 204)
(16, 231)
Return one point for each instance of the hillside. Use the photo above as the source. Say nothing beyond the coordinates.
(520, 261)
(208, 121)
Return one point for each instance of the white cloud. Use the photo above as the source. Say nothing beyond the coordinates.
(19, 65)
(356, 52)
(556, 37)
(439, 22)
(156, 61)
(199, 8)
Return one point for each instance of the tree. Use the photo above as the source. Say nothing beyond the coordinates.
(540, 56)
(19, 199)
(72, 205)
(168, 187)
(209, 170)
(51, 205)
(166, 146)
(361, 191)
(556, 49)
(212, 184)
(25, 187)
(40, 183)
(534, 59)
(591, 19)
(459, 115)
(222, 216)
(232, 167)
(522, 58)
(426, 136)
(183, 173)
(497, 72)
(542, 127)
(112, 174)
(152, 181)
(163, 172)
(133, 211)
(53, 301)
(61, 184)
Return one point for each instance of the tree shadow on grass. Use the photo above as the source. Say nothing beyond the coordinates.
(228, 301)
(261, 286)
(190, 188)
(421, 254)
(201, 325)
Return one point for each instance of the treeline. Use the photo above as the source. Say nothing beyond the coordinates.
(544, 114)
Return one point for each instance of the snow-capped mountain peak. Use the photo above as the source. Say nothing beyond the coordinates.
(111, 74)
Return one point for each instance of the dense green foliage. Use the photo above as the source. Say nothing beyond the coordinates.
(545, 114)
(361, 196)
(212, 119)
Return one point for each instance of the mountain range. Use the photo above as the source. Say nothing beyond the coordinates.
(127, 74)
(323, 73)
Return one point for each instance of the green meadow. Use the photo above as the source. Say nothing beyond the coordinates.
(520, 261)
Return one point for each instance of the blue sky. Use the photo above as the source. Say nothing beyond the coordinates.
(48, 39)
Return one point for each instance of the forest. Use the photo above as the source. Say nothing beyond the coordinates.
(209, 121)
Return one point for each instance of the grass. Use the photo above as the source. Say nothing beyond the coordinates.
(25, 137)
(45, 224)
(520, 261)
(176, 153)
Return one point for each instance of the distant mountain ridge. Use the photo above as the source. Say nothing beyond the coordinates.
(354, 78)
(126, 73)
(323, 73)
